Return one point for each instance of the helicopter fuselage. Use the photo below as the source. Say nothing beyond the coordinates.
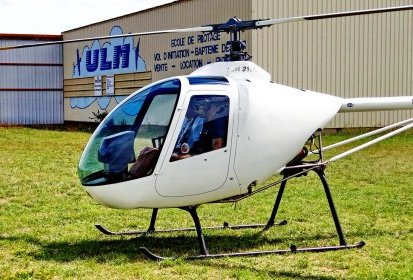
(268, 124)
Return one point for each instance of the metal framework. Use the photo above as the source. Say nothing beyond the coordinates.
(296, 168)
(192, 210)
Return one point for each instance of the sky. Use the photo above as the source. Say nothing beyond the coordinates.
(56, 16)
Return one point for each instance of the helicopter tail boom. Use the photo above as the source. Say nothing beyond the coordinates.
(376, 104)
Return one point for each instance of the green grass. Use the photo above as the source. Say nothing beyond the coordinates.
(47, 232)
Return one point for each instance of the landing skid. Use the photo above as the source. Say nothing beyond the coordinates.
(293, 171)
(292, 249)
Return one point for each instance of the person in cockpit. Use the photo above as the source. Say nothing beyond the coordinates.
(204, 129)
(191, 129)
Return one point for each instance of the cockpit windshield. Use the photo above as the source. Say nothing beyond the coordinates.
(128, 142)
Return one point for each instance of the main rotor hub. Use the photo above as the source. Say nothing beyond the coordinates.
(236, 47)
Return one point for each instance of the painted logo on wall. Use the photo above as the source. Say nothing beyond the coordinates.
(118, 55)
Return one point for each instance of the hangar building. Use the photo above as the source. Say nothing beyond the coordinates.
(359, 56)
(31, 81)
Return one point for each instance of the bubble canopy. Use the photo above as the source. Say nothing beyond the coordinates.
(135, 129)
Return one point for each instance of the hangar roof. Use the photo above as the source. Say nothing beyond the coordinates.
(45, 37)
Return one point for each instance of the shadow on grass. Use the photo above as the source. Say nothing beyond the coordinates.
(67, 126)
(169, 246)
(273, 273)
(124, 250)
(116, 250)
(127, 249)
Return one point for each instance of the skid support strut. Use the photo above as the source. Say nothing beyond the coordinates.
(321, 175)
(320, 172)
(201, 239)
(150, 230)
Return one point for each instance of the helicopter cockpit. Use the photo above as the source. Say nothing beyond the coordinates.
(139, 125)
(128, 143)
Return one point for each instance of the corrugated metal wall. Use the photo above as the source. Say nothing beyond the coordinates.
(31, 84)
(28, 108)
(359, 56)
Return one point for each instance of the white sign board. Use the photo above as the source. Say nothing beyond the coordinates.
(98, 86)
(110, 85)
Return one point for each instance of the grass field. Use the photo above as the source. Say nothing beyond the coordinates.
(47, 232)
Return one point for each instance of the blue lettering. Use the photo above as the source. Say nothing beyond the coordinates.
(121, 53)
(161, 67)
(191, 64)
(177, 42)
(157, 57)
(191, 40)
(209, 37)
(92, 64)
(225, 48)
(104, 63)
(99, 58)
(206, 50)
(178, 54)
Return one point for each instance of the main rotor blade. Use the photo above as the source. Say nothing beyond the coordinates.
(226, 27)
(269, 22)
(184, 30)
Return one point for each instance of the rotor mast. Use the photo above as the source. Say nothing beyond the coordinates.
(237, 47)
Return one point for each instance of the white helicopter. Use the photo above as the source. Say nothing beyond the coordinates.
(213, 136)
